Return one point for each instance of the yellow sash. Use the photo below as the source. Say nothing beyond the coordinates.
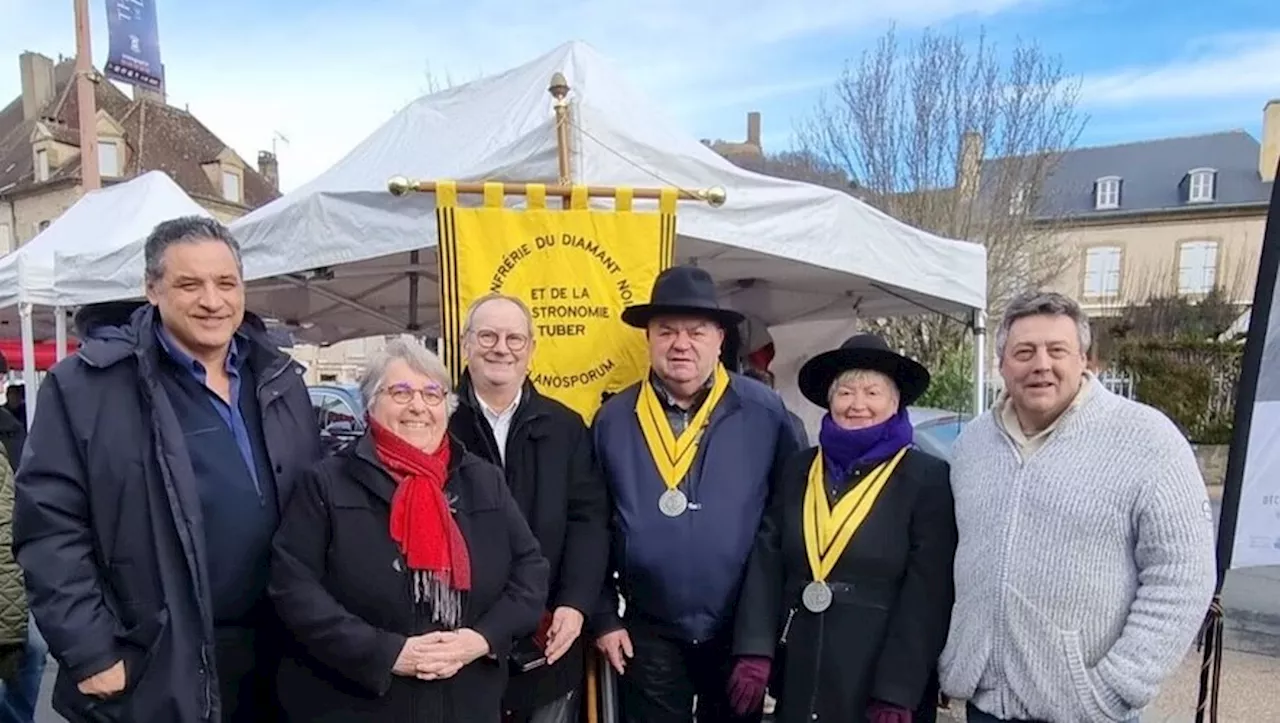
(827, 531)
(674, 456)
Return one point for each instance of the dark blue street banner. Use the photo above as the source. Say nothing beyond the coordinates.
(134, 36)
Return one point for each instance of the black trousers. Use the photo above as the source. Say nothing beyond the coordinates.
(666, 675)
(247, 661)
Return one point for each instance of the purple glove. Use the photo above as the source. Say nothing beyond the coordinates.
(880, 712)
(747, 684)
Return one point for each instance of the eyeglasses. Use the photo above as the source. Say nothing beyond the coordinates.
(488, 339)
(403, 394)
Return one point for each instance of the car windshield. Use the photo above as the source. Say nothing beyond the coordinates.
(943, 432)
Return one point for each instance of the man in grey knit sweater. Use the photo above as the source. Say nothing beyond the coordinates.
(1086, 557)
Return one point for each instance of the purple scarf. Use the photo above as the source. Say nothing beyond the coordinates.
(844, 450)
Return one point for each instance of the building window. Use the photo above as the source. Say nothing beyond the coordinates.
(108, 158)
(6, 239)
(42, 165)
(231, 186)
(1197, 267)
(1102, 271)
(1106, 193)
(1201, 187)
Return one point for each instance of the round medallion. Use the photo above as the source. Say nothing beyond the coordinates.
(816, 597)
(673, 503)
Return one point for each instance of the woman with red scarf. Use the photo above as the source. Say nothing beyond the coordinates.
(848, 591)
(403, 569)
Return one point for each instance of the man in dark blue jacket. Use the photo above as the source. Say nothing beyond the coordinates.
(155, 471)
(689, 455)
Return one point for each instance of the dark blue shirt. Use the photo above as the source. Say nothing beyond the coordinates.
(229, 411)
(233, 475)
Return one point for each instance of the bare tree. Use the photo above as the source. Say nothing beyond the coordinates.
(956, 138)
(795, 166)
(432, 84)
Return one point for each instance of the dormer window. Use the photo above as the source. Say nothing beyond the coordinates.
(108, 158)
(1018, 201)
(42, 165)
(1201, 185)
(1106, 193)
(231, 186)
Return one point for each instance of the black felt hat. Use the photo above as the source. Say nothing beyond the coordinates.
(862, 351)
(682, 291)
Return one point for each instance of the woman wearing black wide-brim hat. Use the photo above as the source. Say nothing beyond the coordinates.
(849, 590)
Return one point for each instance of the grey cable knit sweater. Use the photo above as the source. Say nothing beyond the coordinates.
(1082, 575)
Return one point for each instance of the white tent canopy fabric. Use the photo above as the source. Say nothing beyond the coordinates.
(333, 257)
(102, 221)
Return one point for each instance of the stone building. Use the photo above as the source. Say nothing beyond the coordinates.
(40, 151)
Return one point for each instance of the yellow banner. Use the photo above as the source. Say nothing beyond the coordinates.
(577, 268)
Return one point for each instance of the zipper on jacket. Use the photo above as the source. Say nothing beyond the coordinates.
(205, 680)
(999, 636)
(786, 627)
(817, 667)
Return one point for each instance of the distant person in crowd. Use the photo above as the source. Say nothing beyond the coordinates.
(404, 568)
(15, 402)
(848, 616)
(13, 436)
(22, 650)
(689, 454)
(545, 450)
(765, 377)
(1086, 556)
(164, 450)
(13, 431)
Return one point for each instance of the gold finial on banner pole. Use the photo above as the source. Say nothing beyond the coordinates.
(559, 89)
(714, 196)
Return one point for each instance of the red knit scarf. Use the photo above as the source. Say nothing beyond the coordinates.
(422, 525)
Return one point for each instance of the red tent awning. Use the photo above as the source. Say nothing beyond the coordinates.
(46, 353)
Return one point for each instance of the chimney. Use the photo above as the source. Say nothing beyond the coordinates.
(969, 168)
(1270, 154)
(753, 129)
(269, 167)
(37, 83)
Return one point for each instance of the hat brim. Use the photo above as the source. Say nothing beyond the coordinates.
(819, 373)
(640, 315)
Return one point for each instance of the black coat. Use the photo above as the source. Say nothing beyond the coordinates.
(108, 525)
(339, 583)
(893, 594)
(552, 475)
(13, 435)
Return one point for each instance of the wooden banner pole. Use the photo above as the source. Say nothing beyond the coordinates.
(559, 90)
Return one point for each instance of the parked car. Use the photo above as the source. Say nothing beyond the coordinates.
(339, 412)
(937, 429)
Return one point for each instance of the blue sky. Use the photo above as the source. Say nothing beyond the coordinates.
(325, 73)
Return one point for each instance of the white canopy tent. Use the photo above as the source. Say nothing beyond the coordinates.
(339, 257)
(114, 217)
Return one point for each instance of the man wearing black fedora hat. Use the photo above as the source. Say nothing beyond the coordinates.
(689, 454)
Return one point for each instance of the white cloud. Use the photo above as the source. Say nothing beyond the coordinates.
(327, 75)
(1236, 65)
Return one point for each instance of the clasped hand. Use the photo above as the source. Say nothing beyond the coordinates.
(439, 655)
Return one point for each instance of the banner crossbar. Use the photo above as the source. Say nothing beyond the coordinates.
(714, 196)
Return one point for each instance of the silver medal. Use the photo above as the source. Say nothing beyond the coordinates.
(673, 503)
(816, 596)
